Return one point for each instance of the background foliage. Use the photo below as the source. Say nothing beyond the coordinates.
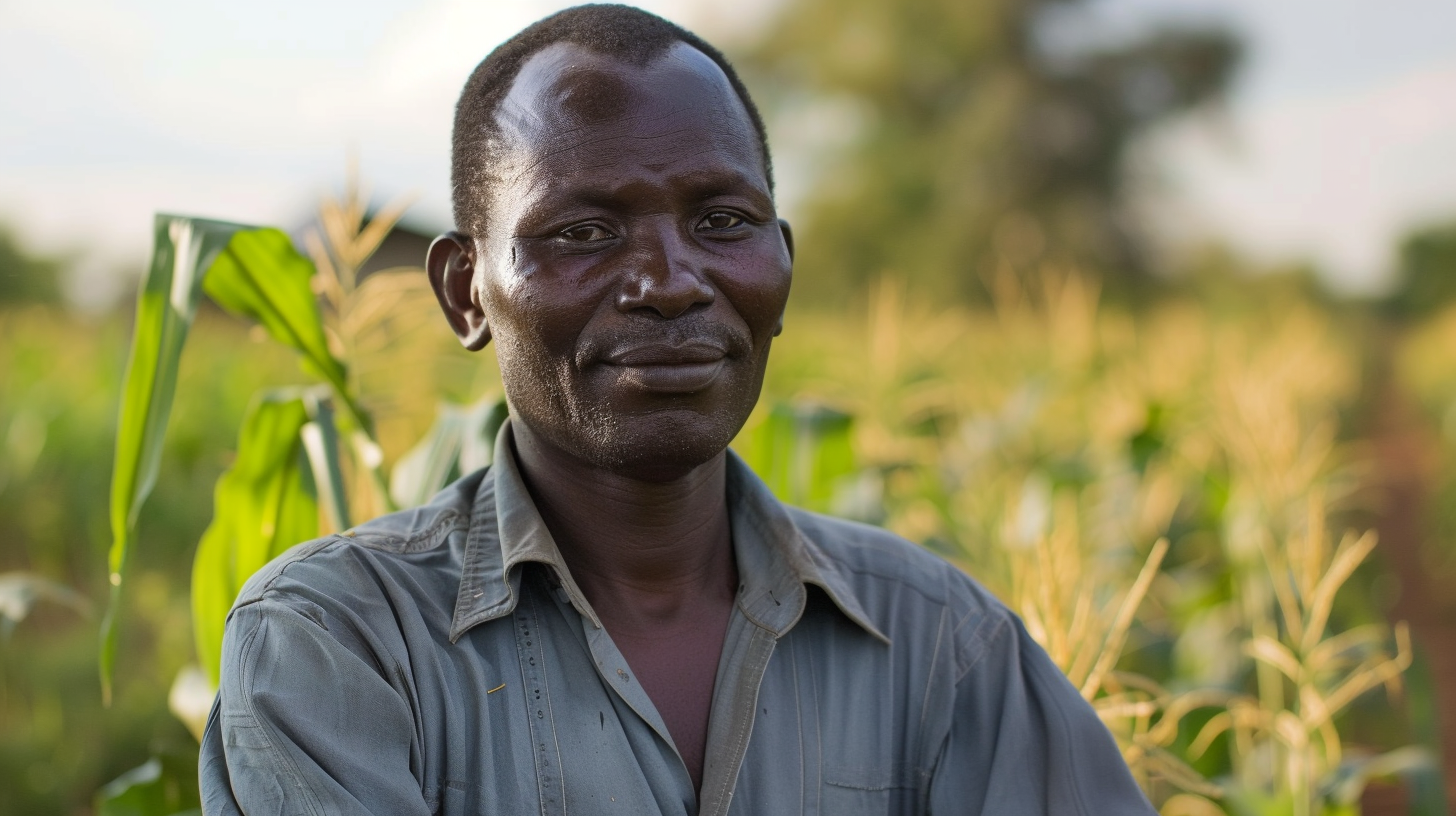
(973, 140)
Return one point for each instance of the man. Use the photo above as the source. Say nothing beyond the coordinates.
(617, 617)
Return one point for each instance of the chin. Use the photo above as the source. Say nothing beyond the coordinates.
(661, 446)
(641, 436)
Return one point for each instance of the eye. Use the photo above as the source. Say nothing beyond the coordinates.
(720, 220)
(586, 233)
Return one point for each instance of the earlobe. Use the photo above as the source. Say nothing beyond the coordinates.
(450, 264)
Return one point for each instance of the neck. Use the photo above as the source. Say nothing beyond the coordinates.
(643, 552)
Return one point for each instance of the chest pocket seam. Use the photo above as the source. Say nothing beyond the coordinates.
(899, 776)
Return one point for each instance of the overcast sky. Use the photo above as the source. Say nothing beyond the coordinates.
(1341, 134)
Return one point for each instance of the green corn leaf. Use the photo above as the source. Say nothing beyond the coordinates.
(138, 792)
(184, 248)
(430, 461)
(321, 443)
(461, 440)
(803, 452)
(263, 278)
(478, 447)
(263, 504)
(162, 786)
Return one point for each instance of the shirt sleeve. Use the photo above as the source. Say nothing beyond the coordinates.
(304, 725)
(1023, 742)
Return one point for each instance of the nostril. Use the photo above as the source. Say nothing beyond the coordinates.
(668, 295)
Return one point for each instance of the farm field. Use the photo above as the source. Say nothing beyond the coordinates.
(1184, 501)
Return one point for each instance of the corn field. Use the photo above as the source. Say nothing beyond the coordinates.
(1159, 499)
(1166, 496)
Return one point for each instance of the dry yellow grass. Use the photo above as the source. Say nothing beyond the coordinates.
(1064, 453)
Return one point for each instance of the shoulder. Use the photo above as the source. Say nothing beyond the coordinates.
(905, 589)
(419, 541)
(872, 557)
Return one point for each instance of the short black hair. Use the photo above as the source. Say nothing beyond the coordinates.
(626, 33)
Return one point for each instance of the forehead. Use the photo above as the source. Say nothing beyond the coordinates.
(577, 107)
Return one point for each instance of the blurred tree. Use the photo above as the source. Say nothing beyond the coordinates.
(1426, 272)
(979, 142)
(26, 278)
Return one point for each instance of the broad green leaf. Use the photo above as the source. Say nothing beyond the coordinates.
(430, 461)
(154, 788)
(263, 505)
(803, 452)
(482, 426)
(135, 792)
(183, 250)
(321, 443)
(461, 440)
(263, 278)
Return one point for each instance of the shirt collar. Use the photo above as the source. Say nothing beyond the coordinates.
(776, 561)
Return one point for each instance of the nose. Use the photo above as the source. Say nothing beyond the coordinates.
(664, 275)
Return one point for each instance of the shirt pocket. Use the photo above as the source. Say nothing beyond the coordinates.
(882, 790)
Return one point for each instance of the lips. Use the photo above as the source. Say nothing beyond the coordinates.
(670, 369)
(664, 354)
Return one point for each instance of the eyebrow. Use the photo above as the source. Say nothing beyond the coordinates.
(707, 183)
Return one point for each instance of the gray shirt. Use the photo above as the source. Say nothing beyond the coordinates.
(442, 660)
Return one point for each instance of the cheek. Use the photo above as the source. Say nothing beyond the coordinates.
(759, 291)
(532, 312)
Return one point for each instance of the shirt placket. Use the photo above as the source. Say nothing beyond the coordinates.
(617, 675)
(611, 667)
(545, 748)
(747, 650)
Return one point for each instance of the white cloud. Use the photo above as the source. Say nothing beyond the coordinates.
(1334, 178)
(102, 217)
(245, 112)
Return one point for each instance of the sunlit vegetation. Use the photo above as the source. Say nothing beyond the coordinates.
(1163, 497)
(1170, 498)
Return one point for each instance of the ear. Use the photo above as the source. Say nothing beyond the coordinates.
(788, 233)
(451, 267)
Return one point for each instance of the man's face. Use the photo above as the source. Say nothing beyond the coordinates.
(634, 272)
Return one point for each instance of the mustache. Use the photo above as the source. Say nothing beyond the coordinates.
(689, 331)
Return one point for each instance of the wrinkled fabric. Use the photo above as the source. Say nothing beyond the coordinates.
(442, 660)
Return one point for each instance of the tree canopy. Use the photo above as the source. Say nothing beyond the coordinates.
(25, 277)
(1425, 271)
(980, 143)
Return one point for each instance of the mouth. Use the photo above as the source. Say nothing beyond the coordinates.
(668, 369)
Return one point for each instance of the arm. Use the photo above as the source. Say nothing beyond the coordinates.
(304, 725)
(1023, 742)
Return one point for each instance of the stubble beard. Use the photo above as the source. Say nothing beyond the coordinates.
(654, 446)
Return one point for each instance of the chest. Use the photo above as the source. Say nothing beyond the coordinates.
(541, 713)
(678, 668)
